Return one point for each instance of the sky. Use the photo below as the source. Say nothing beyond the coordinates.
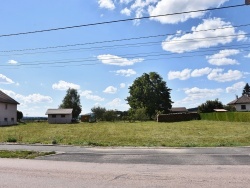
(201, 55)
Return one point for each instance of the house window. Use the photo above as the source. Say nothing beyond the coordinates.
(53, 115)
(12, 119)
(6, 106)
(243, 107)
(5, 119)
(63, 115)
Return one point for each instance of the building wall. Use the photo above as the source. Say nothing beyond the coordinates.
(8, 114)
(238, 107)
(57, 118)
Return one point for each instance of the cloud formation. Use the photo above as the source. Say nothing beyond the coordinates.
(12, 62)
(126, 73)
(88, 95)
(109, 59)
(108, 4)
(5, 80)
(199, 38)
(221, 58)
(110, 90)
(62, 85)
(219, 76)
(236, 87)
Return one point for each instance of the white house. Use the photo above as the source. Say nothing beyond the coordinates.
(242, 103)
(59, 115)
(8, 110)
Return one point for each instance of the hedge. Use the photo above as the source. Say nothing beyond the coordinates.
(226, 116)
(177, 117)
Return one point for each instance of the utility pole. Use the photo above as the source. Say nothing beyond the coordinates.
(247, 2)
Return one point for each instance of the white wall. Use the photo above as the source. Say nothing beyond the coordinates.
(238, 107)
(10, 113)
(59, 119)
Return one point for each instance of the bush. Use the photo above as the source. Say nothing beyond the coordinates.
(11, 139)
(227, 116)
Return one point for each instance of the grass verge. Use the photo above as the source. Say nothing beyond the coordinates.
(23, 154)
(147, 134)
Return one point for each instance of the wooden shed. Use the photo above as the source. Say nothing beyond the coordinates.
(59, 115)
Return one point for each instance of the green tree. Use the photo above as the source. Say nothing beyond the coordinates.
(99, 112)
(72, 100)
(110, 115)
(210, 105)
(150, 92)
(19, 115)
(246, 90)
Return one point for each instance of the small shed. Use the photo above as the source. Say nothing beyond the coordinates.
(88, 118)
(59, 115)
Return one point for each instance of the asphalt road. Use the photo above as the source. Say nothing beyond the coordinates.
(160, 156)
(75, 166)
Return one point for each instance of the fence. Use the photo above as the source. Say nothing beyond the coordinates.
(177, 117)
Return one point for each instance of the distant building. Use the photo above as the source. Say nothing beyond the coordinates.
(59, 116)
(8, 110)
(241, 103)
(178, 110)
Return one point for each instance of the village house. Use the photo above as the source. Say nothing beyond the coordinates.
(59, 116)
(8, 110)
(241, 103)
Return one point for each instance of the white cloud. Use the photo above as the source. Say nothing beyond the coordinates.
(221, 58)
(175, 6)
(5, 80)
(247, 56)
(219, 76)
(201, 72)
(194, 94)
(236, 87)
(182, 75)
(88, 95)
(126, 11)
(62, 85)
(108, 4)
(127, 73)
(118, 103)
(32, 98)
(196, 40)
(122, 85)
(115, 60)
(110, 90)
(125, 1)
(12, 62)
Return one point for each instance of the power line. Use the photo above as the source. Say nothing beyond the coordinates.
(120, 40)
(116, 21)
(134, 44)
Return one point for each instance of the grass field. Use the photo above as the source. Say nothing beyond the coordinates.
(182, 134)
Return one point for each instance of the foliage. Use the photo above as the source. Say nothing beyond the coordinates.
(227, 116)
(140, 114)
(200, 133)
(246, 90)
(151, 93)
(72, 100)
(110, 115)
(210, 105)
(99, 112)
(19, 115)
(230, 108)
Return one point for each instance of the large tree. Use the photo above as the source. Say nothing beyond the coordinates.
(72, 100)
(150, 92)
(99, 112)
(246, 90)
(210, 105)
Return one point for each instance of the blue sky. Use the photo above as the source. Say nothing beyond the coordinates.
(37, 69)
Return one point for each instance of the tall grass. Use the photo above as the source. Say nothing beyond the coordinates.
(191, 133)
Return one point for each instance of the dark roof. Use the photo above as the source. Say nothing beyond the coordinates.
(244, 99)
(178, 109)
(6, 99)
(59, 111)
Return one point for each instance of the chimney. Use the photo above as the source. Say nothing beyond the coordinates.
(237, 97)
